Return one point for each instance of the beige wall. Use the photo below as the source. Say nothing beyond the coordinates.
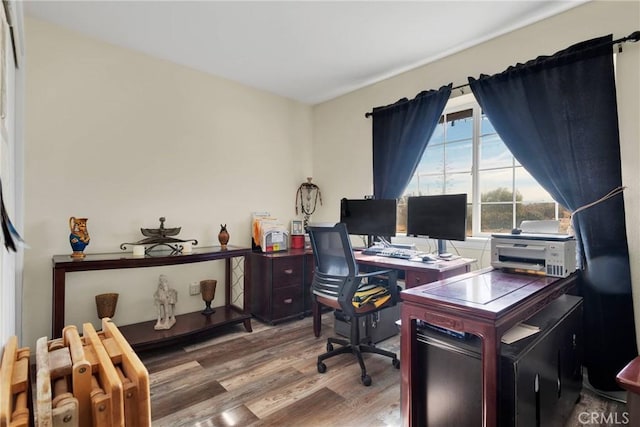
(123, 138)
(342, 135)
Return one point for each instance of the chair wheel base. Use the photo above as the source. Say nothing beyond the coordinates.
(396, 363)
(322, 368)
(366, 380)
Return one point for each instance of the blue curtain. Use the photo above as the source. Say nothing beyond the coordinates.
(401, 132)
(558, 116)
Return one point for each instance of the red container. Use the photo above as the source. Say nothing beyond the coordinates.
(297, 241)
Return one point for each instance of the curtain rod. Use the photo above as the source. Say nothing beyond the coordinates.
(633, 37)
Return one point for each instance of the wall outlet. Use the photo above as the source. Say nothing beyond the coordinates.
(194, 288)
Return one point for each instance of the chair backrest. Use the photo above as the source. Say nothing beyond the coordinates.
(336, 268)
(332, 250)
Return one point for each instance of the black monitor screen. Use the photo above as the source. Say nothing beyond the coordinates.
(442, 217)
(369, 217)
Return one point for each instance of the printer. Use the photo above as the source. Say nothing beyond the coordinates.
(532, 251)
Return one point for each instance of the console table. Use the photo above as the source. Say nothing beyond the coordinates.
(142, 335)
(485, 303)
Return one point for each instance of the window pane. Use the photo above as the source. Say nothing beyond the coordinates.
(459, 183)
(426, 185)
(401, 216)
(493, 153)
(529, 188)
(535, 211)
(507, 192)
(485, 126)
(459, 156)
(432, 159)
(438, 134)
(496, 218)
(460, 129)
(412, 188)
(564, 215)
(496, 185)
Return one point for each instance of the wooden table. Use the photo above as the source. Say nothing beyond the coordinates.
(416, 272)
(139, 334)
(485, 303)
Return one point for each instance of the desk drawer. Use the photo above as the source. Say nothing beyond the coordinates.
(417, 278)
(287, 272)
(287, 302)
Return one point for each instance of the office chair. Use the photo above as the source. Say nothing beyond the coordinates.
(338, 284)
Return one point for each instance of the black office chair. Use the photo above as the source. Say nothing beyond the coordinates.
(338, 284)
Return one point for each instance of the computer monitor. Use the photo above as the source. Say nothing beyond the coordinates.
(369, 217)
(442, 217)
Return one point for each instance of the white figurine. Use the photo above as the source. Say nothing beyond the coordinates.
(165, 300)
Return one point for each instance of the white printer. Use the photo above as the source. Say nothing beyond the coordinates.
(551, 254)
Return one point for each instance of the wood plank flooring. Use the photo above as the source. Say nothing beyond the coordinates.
(268, 378)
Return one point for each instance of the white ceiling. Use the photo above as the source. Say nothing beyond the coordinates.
(310, 51)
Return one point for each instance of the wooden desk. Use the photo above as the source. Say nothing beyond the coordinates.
(415, 273)
(418, 273)
(485, 303)
(140, 334)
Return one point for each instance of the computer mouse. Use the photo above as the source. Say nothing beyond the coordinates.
(429, 258)
(516, 231)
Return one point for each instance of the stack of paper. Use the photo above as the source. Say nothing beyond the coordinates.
(518, 332)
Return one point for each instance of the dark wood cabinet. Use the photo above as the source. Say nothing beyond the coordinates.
(540, 376)
(280, 285)
(485, 303)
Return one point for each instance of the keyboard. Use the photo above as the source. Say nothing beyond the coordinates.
(373, 250)
(398, 253)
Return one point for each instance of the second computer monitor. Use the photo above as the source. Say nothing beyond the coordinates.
(369, 217)
(441, 217)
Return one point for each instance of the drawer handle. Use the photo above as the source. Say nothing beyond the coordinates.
(288, 271)
(288, 301)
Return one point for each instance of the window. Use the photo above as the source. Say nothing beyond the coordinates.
(501, 193)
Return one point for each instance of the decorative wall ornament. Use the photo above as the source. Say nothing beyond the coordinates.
(161, 237)
(308, 195)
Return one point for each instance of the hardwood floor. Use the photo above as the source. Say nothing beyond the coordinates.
(269, 378)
